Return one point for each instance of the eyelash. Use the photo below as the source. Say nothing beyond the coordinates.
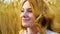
(28, 11)
(22, 11)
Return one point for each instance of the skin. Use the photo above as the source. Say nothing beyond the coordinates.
(28, 19)
(27, 16)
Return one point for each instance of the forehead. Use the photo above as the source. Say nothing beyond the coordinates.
(26, 5)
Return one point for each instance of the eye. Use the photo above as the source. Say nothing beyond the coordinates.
(30, 11)
(22, 11)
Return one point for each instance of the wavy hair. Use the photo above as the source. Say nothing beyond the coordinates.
(42, 13)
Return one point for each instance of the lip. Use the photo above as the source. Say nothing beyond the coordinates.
(25, 19)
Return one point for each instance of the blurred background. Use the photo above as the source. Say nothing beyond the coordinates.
(9, 16)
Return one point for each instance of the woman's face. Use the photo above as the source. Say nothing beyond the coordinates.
(27, 17)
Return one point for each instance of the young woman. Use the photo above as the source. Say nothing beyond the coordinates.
(35, 17)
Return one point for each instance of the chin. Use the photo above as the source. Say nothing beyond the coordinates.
(25, 25)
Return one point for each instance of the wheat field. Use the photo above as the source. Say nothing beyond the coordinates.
(10, 19)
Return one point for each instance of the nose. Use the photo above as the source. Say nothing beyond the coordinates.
(25, 15)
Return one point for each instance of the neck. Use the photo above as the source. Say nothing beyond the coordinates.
(32, 29)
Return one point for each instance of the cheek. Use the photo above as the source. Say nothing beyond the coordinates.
(32, 16)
